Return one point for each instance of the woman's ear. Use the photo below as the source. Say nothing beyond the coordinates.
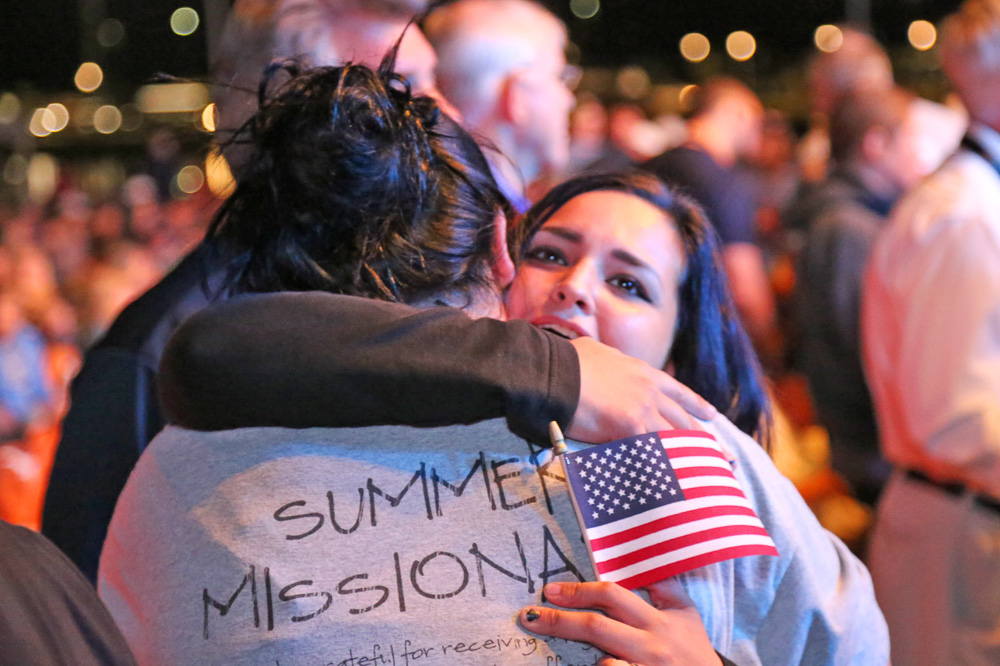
(503, 265)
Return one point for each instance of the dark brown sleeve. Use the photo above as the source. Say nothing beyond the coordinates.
(313, 359)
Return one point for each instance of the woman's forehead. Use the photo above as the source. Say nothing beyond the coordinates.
(609, 222)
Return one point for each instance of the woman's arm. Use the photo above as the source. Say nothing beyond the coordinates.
(316, 359)
(665, 632)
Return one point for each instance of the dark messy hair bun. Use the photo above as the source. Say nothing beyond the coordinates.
(357, 186)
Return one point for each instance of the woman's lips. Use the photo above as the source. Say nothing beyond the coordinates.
(560, 327)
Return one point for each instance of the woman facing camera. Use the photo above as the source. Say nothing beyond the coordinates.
(406, 557)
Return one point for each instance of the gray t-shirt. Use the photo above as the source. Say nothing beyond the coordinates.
(397, 546)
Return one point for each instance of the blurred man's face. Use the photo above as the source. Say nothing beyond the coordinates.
(901, 162)
(748, 116)
(548, 82)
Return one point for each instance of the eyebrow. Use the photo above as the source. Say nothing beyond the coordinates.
(573, 236)
(619, 254)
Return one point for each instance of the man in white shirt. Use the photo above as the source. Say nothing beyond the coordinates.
(931, 334)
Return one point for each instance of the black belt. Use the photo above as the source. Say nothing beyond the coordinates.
(956, 489)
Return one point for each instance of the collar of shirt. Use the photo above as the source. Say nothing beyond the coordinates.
(987, 138)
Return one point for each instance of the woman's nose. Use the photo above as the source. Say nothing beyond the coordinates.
(574, 291)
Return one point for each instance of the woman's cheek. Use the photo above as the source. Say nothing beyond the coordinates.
(638, 336)
(519, 297)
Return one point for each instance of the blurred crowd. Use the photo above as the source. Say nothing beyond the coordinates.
(798, 205)
(68, 265)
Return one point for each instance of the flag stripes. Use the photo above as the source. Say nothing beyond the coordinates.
(692, 512)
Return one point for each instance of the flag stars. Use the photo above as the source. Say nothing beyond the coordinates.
(673, 491)
(658, 495)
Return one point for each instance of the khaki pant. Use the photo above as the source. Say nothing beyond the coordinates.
(935, 563)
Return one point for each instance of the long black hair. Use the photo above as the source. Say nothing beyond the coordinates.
(711, 352)
(356, 186)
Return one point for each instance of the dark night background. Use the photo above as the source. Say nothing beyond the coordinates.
(43, 42)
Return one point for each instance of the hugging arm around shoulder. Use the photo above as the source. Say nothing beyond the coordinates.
(311, 359)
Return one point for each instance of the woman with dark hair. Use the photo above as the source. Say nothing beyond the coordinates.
(347, 165)
(357, 187)
(623, 260)
(707, 348)
(354, 188)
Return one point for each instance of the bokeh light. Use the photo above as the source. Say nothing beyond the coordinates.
(695, 47)
(38, 121)
(15, 171)
(828, 38)
(10, 108)
(208, 117)
(585, 9)
(88, 77)
(922, 35)
(43, 177)
(184, 21)
(190, 179)
(632, 82)
(110, 33)
(57, 117)
(686, 96)
(218, 174)
(741, 45)
(107, 119)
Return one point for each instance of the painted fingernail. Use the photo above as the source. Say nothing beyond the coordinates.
(531, 615)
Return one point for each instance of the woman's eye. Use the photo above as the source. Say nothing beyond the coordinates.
(630, 286)
(547, 255)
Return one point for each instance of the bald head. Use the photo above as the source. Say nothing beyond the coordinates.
(501, 63)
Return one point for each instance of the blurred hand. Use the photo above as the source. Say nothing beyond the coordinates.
(622, 396)
(667, 633)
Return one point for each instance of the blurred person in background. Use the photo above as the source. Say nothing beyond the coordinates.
(27, 410)
(859, 65)
(501, 63)
(873, 149)
(931, 343)
(724, 126)
(113, 406)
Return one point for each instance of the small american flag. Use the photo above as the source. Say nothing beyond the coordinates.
(660, 504)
